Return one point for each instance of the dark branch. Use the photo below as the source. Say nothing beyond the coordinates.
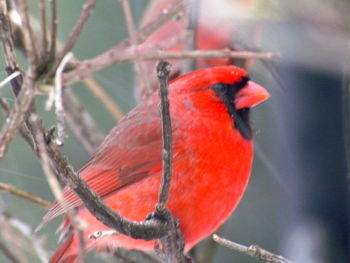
(163, 72)
(54, 23)
(173, 242)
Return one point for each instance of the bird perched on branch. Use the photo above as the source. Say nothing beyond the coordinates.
(212, 159)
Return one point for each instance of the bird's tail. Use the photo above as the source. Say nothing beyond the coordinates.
(64, 253)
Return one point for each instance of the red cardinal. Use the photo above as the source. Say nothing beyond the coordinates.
(212, 159)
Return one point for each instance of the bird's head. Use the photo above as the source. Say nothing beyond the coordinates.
(221, 90)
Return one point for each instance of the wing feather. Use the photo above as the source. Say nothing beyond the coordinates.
(131, 152)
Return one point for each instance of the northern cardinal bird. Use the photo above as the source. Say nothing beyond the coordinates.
(212, 159)
(215, 30)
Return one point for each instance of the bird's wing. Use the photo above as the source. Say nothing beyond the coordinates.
(131, 152)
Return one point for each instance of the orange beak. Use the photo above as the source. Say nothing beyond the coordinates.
(251, 95)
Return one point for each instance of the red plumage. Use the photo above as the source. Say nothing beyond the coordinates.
(211, 161)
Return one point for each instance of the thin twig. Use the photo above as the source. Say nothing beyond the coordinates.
(7, 37)
(75, 34)
(253, 251)
(163, 72)
(10, 189)
(189, 64)
(30, 41)
(163, 18)
(54, 23)
(23, 130)
(133, 40)
(145, 32)
(129, 21)
(9, 78)
(59, 109)
(42, 8)
(105, 99)
(18, 112)
(110, 58)
(8, 46)
(35, 125)
(205, 251)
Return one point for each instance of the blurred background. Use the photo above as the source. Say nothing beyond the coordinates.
(296, 204)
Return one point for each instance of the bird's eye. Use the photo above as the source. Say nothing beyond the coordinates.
(220, 89)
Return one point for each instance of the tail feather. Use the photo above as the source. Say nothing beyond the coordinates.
(61, 255)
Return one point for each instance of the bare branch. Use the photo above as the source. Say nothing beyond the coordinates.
(75, 34)
(129, 21)
(9, 78)
(24, 195)
(117, 56)
(18, 112)
(35, 125)
(190, 35)
(133, 40)
(153, 26)
(253, 251)
(54, 23)
(60, 114)
(23, 130)
(146, 31)
(8, 46)
(30, 41)
(42, 8)
(163, 72)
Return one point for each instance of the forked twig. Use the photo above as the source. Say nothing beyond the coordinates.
(30, 41)
(74, 35)
(173, 242)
